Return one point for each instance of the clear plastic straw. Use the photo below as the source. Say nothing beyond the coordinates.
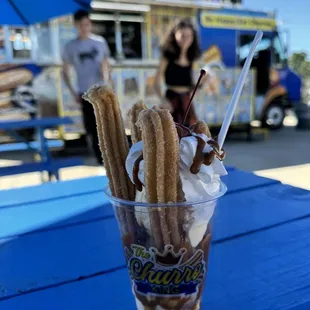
(237, 92)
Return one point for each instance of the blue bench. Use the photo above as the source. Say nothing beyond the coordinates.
(40, 147)
(33, 145)
(52, 167)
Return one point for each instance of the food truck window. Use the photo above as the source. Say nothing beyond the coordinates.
(245, 42)
(280, 54)
(131, 39)
(161, 24)
(161, 20)
(261, 61)
(123, 33)
(106, 29)
(20, 43)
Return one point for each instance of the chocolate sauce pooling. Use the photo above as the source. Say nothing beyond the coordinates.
(199, 158)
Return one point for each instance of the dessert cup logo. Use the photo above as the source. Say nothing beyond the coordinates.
(168, 273)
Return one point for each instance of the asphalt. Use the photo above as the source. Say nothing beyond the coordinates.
(282, 148)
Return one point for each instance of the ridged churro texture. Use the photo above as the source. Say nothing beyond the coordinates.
(114, 147)
(134, 112)
(160, 154)
(201, 127)
(161, 172)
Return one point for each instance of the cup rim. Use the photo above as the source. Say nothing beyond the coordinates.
(222, 191)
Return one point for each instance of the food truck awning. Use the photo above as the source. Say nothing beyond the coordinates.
(179, 3)
(21, 12)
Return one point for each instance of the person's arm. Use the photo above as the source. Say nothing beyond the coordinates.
(66, 77)
(158, 78)
(67, 61)
(106, 72)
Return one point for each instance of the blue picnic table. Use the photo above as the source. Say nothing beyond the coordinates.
(40, 147)
(60, 248)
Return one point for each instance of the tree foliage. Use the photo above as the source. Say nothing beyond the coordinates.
(299, 63)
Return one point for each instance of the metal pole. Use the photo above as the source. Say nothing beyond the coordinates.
(118, 38)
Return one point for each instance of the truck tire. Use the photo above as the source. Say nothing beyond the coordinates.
(303, 114)
(274, 115)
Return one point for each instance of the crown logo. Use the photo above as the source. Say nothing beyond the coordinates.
(168, 257)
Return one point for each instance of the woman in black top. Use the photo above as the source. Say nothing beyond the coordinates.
(179, 52)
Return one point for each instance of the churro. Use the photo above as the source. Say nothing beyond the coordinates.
(171, 160)
(133, 114)
(114, 146)
(201, 128)
(161, 167)
(153, 166)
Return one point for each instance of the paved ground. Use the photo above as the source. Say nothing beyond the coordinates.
(286, 147)
(284, 155)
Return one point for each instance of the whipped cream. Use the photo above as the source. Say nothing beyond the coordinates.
(134, 153)
(204, 185)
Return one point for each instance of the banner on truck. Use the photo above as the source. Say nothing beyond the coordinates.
(211, 20)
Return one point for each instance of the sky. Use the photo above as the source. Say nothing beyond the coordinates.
(295, 17)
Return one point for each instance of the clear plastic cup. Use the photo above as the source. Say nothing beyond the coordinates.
(166, 248)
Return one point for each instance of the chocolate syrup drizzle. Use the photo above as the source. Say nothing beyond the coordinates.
(205, 158)
(199, 158)
(135, 173)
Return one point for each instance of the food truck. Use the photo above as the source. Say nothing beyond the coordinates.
(134, 30)
(226, 36)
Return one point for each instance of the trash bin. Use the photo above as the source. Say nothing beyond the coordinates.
(302, 111)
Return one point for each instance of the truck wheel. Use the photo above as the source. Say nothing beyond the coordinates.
(274, 116)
